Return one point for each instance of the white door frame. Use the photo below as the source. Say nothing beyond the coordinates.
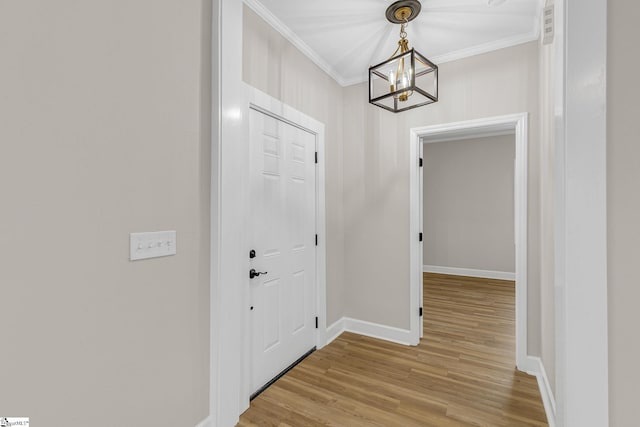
(516, 123)
(265, 104)
(582, 364)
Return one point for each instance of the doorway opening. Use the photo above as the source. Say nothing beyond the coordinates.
(515, 124)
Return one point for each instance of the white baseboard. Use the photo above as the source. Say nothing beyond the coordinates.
(207, 422)
(335, 330)
(485, 274)
(369, 329)
(375, 330)
(534, 366)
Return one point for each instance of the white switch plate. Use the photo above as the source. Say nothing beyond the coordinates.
(152, 244)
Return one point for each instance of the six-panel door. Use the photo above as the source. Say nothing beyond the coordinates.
(282, 232)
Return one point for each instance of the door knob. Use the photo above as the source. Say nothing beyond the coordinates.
(253, 273)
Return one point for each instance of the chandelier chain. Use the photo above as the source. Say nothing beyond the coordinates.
(403, 29)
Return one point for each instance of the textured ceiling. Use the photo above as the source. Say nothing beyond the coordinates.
(345, 37)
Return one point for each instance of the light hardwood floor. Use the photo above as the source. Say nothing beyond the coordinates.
(462, 373)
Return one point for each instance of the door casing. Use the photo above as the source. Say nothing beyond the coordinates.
(514, 123)
(265, 104)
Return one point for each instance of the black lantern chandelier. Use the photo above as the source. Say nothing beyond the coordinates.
(407, 79)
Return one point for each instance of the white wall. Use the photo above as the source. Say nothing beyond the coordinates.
(275, 66)
(376, 178)
(105, 131)
(623, 210)
(468, 203)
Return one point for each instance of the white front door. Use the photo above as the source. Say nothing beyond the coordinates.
(282, 234)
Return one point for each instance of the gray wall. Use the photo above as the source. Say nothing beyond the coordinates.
(548, 99)
(376, 174)
(468, 203)
(105, 131)
(275, 66)
(623, 210)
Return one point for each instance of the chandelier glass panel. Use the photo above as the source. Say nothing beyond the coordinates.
(407, 79)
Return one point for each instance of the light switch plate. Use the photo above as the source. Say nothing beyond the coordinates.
(152, 244)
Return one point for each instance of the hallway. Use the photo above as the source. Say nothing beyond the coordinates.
(462, 373)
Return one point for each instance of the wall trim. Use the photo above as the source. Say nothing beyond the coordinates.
(376, 330)
(286, 32)
(335, 330)
(463, 135)
(293, 38)
(535, 367)
(227, 228)
(466, 52)
(471, 272)
(369, 329)
(580, 225)
(487, 47)
(207, 422)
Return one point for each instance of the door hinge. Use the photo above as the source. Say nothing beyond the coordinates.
(420, 311)
(316, 240)
(420, 237)
(316, 157)
(316, 322)
(420, 161)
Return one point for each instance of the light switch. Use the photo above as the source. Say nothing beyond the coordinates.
(152, 244)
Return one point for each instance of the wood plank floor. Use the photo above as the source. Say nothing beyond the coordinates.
(462, 373)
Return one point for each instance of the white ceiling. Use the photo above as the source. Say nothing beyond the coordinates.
(345, 37)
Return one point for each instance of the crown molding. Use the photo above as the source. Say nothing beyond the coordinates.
(288, 34)
(343, 81)
(466, 52)
(356, 80)
(537, 21)
(486, 47)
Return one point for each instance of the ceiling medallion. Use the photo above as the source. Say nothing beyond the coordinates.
(407, 79)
